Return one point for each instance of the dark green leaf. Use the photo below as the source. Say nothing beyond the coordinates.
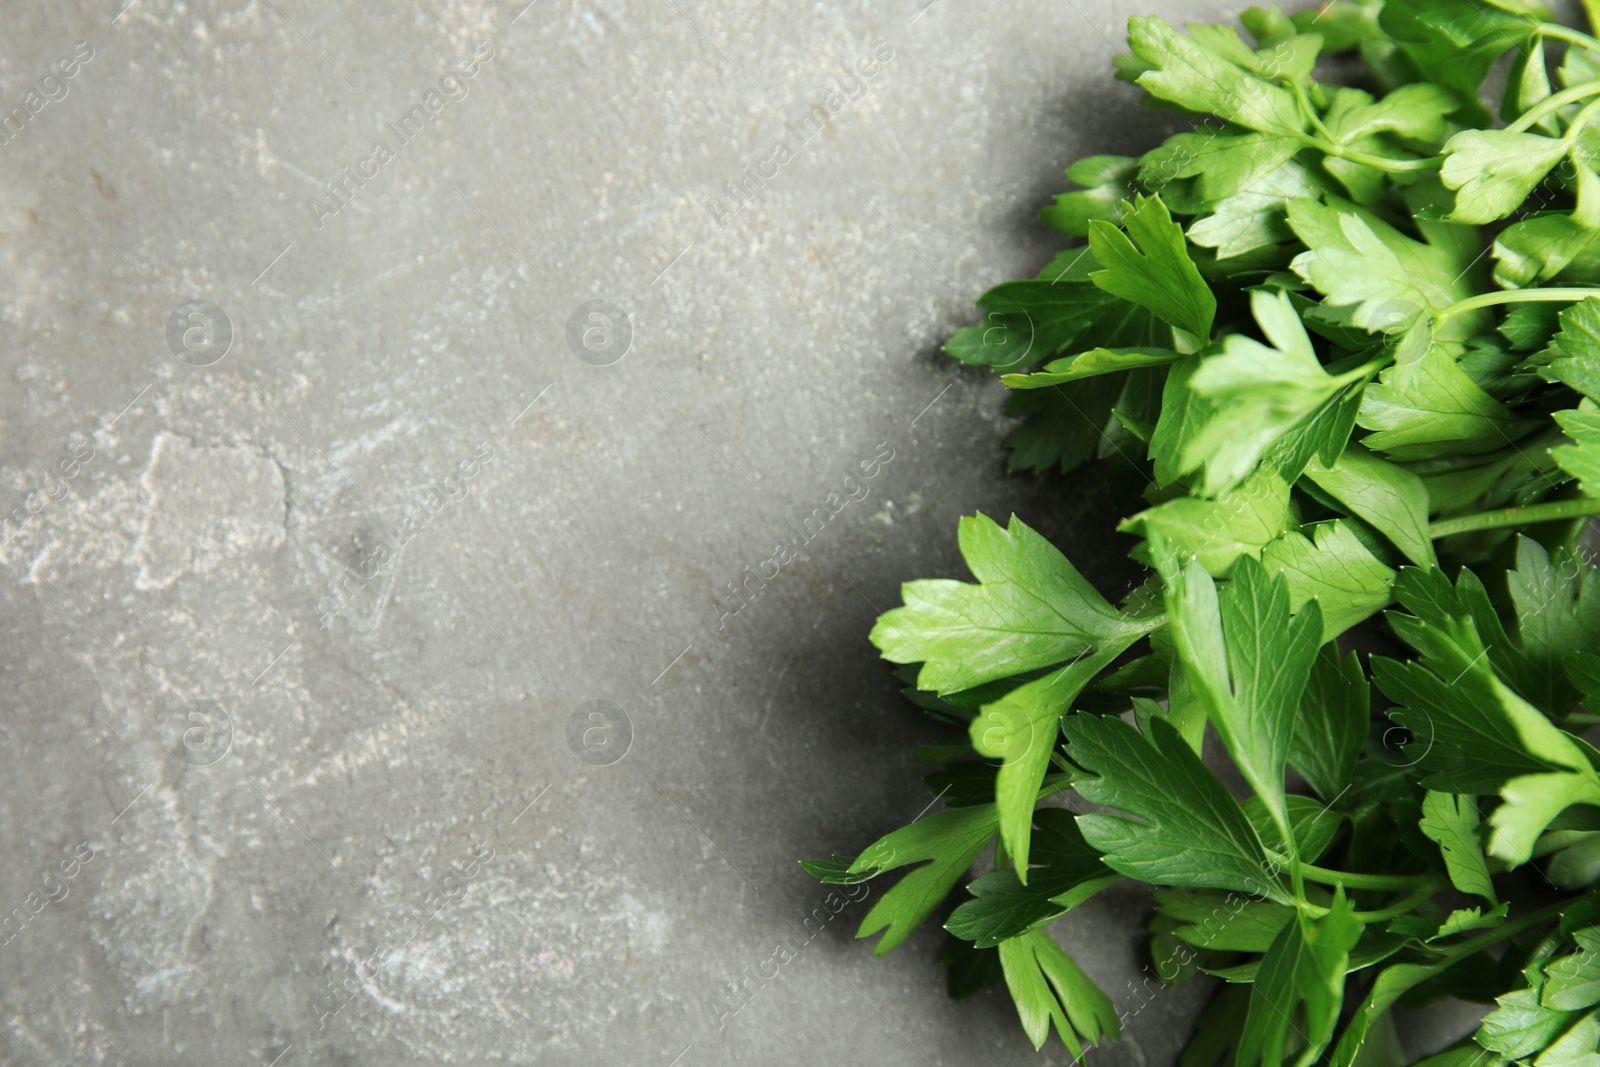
(1065, 871)
(1192, 832)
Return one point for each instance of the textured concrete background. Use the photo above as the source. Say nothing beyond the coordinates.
(229, 781)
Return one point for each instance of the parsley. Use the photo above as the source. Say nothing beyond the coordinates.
(1348, 339)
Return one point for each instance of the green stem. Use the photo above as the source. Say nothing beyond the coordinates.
(1552, 103)
(1351, 880)
(1316, 911)
(1396, 910)
(1558, 32)
(1534, 513)
(1583, 116)
(1299, 90)
(1513, 296)
(1381, 162)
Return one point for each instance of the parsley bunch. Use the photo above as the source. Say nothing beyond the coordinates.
(1348, 338)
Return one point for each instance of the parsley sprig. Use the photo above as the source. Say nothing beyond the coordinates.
(1347, 335)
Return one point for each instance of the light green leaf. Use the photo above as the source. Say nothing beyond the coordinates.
(1219, 532)
(1576, 1047)
(1521, 1026)
(1258, 393)
(944, 844)
(1464, 920)
(1529, 803)
(1255, 216)
(1088, 364)
(1388, 496)
(1545, 247)
(1022, 728)
(1429, 407)
(1356, 259)
(1451, 820)
(1184, 414)
(1222, 165)
(1572, 982)
(1030, 609)
(1157, 273)
(1334, 568)
(1180, 70)
(1493, 171)
(1415, 112)
(1048, 987)
(1253, 697)
(1581, 458)
(1575, 349)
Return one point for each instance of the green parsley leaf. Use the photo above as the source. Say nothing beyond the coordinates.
(1221, 164)
(1388, 496)
(1558, 613)
(1546, 247)
(1064, 426)
(1157, 273)
(1521, 1026)
(1575, 350)
(1303, 969)
(1049, 988)
(1066, 872)
(1218, 532)
(1456, 43)
(1257, 393)
(1416, 112)
(1357, 259)
(944, 845)
(1095, 361)
(1025, 322)
(1428, 407)
(1334, 568)
(1572, 982)
(1452, 820)
(1255, 217)
(1030, 608)
(1332, 727)
(1228, 922)
(1530, 803)
(1186, 829)
(1249, 661)
(1021, 728)
(1493, 171)
(1109, 181)
(1183, 72)
(1314, 825)
(1581, 458)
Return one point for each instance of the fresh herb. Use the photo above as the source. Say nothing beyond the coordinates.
(1348, 335)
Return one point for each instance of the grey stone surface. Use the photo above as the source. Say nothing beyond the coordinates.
(256, 783)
